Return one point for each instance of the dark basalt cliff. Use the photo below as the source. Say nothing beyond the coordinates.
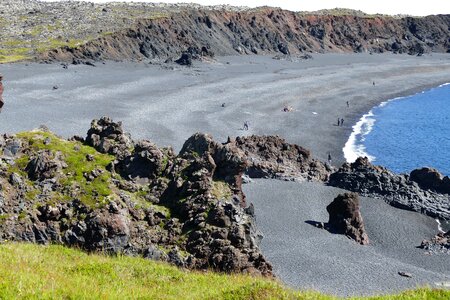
(263, 31)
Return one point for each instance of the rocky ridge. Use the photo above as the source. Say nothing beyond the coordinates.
(262, 31)
(109, 193)
(72, 31)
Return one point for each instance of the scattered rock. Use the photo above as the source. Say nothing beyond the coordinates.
(190, 211)
(440, 243)
(405, 274)
(185, 60)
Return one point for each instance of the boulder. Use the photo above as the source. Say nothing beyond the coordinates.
(431, 179)
(44, 165)
(345, 218)
(107, 231)
(185, 59)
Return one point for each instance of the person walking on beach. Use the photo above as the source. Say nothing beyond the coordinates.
(246, 125)
(342, 122)
(373, 83)
(339, 122)
(1, 92)
(329, 158)
(348, 104)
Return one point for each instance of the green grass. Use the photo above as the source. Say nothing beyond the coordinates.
(30, 271)
(95, 192)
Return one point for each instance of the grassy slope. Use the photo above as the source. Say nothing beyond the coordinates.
(32, 271)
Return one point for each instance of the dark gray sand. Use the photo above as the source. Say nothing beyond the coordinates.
(167, 106)
(307, 257)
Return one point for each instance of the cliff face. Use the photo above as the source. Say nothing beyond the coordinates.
(266, 31)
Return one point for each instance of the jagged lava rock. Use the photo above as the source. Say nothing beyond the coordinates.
(345, 218)
(397, 190)
(273, 157)
(187, 209)
(108, 137)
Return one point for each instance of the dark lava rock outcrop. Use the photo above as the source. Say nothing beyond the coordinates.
(398, 190)
(109, 193)
(431, 179)
(263, 31)
(273, 157)
(345, 218)
(108, 137)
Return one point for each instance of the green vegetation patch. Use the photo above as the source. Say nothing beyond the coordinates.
(29, 271)
(72, 178)
(221, 190)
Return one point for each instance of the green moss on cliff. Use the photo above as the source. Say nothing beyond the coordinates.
(73, 178)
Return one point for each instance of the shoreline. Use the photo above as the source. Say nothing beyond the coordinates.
(352, 150)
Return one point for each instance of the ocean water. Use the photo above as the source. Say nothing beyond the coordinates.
(406, 133)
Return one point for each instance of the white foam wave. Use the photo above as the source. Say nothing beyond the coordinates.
(354, 148)
(440, 229)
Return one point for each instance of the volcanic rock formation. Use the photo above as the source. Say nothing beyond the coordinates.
(130, 197)
(345, 218)
(273, 157)
(262, 31)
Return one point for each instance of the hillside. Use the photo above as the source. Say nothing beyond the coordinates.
(39, 273)
(137, 31)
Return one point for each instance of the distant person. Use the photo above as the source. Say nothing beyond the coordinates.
(373, 83)
(339, 122)
(348, 104)
(246, 125)
(1, 92)
(342, 122)
(329, 158)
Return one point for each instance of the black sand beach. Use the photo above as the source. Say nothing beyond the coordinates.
(167, 106)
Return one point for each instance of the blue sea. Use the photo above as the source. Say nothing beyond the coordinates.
(406, 133)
